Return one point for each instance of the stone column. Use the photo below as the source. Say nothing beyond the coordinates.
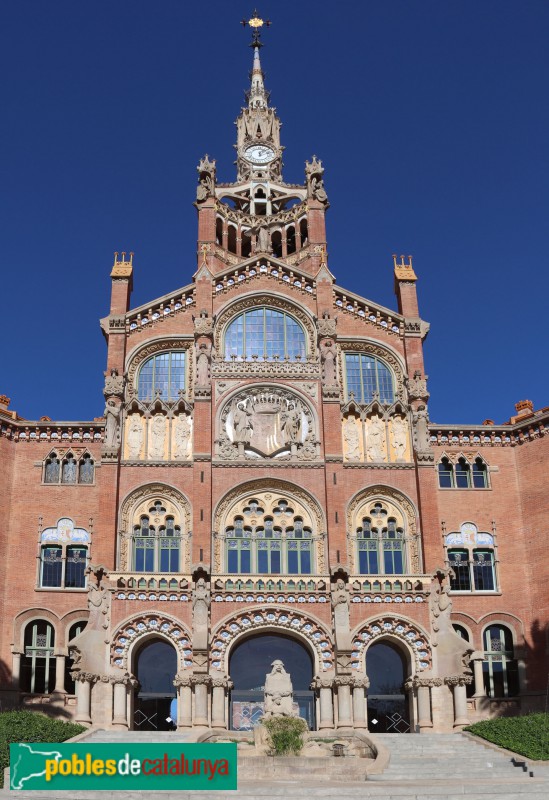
(184, 701)
(360, 684)
(83, 698)
(459, 682)
(324, 688)
(477, 658)
(59, 675)
(343, 683)
(120, 704)
(220, 686)
(201, 683)
(15, 669)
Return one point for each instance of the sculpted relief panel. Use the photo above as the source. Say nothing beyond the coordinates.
(376, 438)
(266, 423)
(158, 437)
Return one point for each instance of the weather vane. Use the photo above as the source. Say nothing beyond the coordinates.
(256, 23)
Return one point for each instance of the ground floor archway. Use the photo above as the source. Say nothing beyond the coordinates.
(249, 663)
(154, 699)
(388, 701)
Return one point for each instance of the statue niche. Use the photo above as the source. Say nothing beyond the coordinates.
(266, 423)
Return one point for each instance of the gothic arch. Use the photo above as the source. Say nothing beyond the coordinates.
(272, 300)
(276, 486)
(401, 629)
(146, 492)
(136, 629)
(408, 509)
(21, 621)
(373, 348)
(161, 344)
(272, 619)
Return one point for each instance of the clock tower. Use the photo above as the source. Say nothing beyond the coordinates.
(260, 213)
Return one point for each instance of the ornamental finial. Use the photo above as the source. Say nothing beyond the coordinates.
(256, 23)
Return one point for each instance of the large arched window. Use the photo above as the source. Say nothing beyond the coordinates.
(368, 377)
(38, 662)
(164, 373)
(267, 334)
(380, 542)
(499, 667)
(269, 535)
(156, 542)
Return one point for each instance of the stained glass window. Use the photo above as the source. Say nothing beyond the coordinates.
(367, 374)
(472, 575)
(270, 549)
(267, 334)
(164, 373)
(380, 546)
(38, 662)
(156, 550)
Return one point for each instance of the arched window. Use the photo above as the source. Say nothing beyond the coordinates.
(156, 547)
(367, 377)
(461, 631)
(70, 471)
(269, 536)
(463, 474)
(290, 240)
(38, 662)
(86, 470)
(52, 469)
(164, 373)
(304, 232)
(219, 231)
(500, 667)
(473, 561)
(276, 244)
(267, 334)
(480, 474)
(445, 474)
(231, 238)
(63, 556)
(74, 630)
(380, 542)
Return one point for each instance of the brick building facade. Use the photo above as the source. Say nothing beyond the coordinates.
(265, 483)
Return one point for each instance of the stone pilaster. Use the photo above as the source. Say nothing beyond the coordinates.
(459, 682)
(220, 688)
(323, 685)
(183, 684)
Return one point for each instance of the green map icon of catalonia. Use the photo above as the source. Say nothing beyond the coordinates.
(28, 764)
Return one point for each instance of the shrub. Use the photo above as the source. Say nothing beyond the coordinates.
(29, 726)
(528, 735)
(286, 734)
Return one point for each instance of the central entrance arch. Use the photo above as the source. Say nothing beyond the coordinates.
(155, 668)
(388, 703)
(249, 663)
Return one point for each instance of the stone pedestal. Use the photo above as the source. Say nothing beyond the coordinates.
(201, 684)
(343, 684)
(359, 702)
(477, 658)
(220, 686)
(120, 706)
(83, 700)
(184, 701)
(326, 702)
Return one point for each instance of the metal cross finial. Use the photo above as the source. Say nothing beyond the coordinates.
(256, 23)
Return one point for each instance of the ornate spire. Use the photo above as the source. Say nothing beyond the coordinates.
(257, 96)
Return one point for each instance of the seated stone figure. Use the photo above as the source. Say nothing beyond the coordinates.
(278, 692)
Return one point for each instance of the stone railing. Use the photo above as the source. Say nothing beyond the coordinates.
(140, 582)
(293, 278)
(353, 304)
(389, 588)
(262, 589)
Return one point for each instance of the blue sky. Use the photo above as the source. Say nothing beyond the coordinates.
(431, 117)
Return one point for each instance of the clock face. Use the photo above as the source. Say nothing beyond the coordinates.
(259, 153)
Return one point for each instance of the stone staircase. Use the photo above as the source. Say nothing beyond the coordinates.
(422, 767)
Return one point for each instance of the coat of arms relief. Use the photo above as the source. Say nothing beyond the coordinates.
(266, 423)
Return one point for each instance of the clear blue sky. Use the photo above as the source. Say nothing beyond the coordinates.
(431, 117)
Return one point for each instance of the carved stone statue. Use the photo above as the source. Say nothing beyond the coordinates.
(114, 384)
(399, 432)
(422, 439)
(112, 417)
(203, 325)
(327, 326)
(453, 652)
(375, 442)
(278, 692)
(182, 435)
(157, 437)
(206, 179)
(417, 387)
(201, 606)
(242, 423)
(263, 239)
(328, 358)
(291, 423)
(135, 437)
(350, 434)
(315, 184)
(340, 601)
(203, 365)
